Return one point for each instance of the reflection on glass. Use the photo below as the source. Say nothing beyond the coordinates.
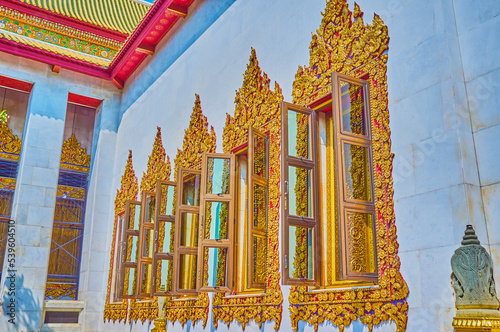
(149, 237)
(187, 272)
(353, 108)
(191, 189)
(360, 242)
(299, 192)
(300, 249)
(259, 206)
(216, 220)
(163, 276)
(218, 176)
(357, 172)
(168, 239)
(298, 134)
(259, 262)
(129, 282)
(215, 267)
(260, 157)
(134, 217)
(132, 246)
(189, 229)
(167, 200)
(147, 277)
(150, 208)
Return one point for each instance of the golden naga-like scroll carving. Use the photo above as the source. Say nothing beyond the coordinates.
(198, 138)
(258, 106)
(344, 44)
(74, 156)
(10, 144)
(117, 311)
(158, 169)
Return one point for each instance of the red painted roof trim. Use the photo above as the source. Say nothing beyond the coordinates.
(12, 83)
(83, 100)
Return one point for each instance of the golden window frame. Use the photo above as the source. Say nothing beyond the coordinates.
(259, 107)
(158, 168)
(344, 44)
(199, 137)
(117, 311)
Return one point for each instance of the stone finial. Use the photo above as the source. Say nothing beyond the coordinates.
(472, 279)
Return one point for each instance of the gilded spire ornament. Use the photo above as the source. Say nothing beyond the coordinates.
(74, 156)
(198, 138)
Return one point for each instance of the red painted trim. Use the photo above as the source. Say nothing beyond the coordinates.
(65, 20)
(52, 58)
(13, 83)
(157, 10)
(83, 100)
(146, 48)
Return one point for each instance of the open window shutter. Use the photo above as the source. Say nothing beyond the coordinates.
(120, 249)
(164, 239)
(130, 249)
(353, 160)
(215, 251)
(146, 245)
(258, 202)
(300, 203)
(187, 220)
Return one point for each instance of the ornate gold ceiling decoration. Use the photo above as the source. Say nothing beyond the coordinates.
(74, 156)
(128, 191)
(344, 44)
(158, 169)
(258, 106)
(198, 138)
(10, 144)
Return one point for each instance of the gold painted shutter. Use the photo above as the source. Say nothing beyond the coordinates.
(130, 247)
(258, 202)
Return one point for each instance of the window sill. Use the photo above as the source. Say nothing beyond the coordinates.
(244, 294)
(344, 287)
(64, 305)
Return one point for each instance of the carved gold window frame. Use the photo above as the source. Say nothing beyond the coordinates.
(199, 137)
(257, 106)
(117, 311)
(344, 44)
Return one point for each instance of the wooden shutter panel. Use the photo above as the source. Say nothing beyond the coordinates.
(216, 232)
(164, 240)
(130, 249)
(144, 287)
(186, 231)
(300, 196)
(354, 172)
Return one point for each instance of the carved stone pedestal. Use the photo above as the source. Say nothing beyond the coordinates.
(472, 280)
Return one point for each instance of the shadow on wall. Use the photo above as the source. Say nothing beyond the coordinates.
(19, 305)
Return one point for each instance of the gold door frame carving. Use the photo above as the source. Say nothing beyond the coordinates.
(198, 138)
(74, 156)
(259, 107)
(344, 44)
(128, 191)
(158, 169)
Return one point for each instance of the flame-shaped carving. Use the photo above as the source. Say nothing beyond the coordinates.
(74, 156)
